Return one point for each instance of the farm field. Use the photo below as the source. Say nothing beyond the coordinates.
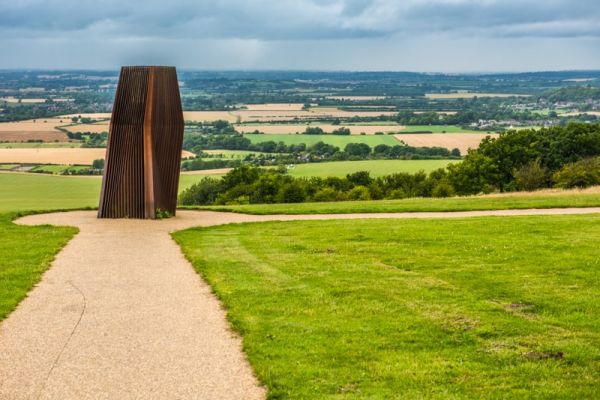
(356, 98)
(470, 95)
(38, 145)
(437, 129)
(481, 308)
(232, 154)
(63, 156)
(277, 112)
(93, 128)
(29, 191)
(335, 140)
(328, 128)
(461, 141)
(573, 114)
(375, 167)
(274, 107)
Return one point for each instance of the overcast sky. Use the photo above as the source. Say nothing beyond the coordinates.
(403, 35)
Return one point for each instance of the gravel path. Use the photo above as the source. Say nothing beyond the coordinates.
(122, 315)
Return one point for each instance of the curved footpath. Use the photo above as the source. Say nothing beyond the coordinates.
(122, 314)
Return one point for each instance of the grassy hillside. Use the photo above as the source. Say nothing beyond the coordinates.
(480, 308)
(21, 191)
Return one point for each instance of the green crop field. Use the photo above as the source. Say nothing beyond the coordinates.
(482, 308)
(375, 167)
(335, 140)
(231, 154)
(28, 191)
(438, 129)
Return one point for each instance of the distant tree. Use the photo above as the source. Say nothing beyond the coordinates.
(360, 178)
(98, 164)
(313, 130)
(357, 149)
(342, 131)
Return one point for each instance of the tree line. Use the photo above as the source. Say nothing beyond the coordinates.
(563, 157)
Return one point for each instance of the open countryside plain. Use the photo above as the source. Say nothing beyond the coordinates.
(270, 282)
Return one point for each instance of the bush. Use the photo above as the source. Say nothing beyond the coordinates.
(442, 189)
(201, 193)
(531, 176)
(292, 192)
(359, 193)
(361, 178)
(580, 174)
(327, 194)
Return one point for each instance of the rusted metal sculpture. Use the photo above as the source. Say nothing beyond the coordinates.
(143, 154)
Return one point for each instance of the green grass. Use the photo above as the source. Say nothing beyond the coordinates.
(335, 140)
(25, 253)
(29, 191)
(375, 167)
(559, 199)
(482, 308)
(438, 129)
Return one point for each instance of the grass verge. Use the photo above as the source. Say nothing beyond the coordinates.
(25, 254)
(481, 308)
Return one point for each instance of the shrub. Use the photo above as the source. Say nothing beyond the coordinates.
(442, 189)
(359, 193)
(292, 192)
(362, 178)
(327, 194)
(579, 174)
(201, 193)
(531, 176)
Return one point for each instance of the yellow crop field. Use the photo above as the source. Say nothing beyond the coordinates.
(63, 156)
(33, 125)
(461, 141)
(94, 128)
(39, 129)
(299, 128)
(470, 95)
(11, 99)
(575, 113)
(208, 116)
(356, 98)
(88, 115)
(275, 107)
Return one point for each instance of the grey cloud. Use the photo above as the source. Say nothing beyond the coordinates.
(299, 19)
